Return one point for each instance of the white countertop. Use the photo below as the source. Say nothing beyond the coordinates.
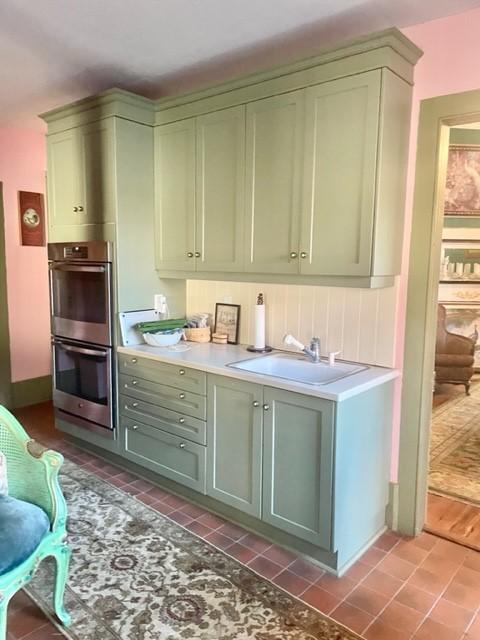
(214, 358)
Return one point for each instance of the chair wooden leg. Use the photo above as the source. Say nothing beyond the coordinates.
(62, 559)
(3, 617)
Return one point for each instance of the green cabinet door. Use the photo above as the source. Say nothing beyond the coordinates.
(97, 151)
(220, 170)
(341, 134)
(274, 159)
(175, 195)
(298, 465)
(65, 178)
(234, 439)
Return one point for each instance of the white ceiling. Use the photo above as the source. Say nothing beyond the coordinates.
(56, 51)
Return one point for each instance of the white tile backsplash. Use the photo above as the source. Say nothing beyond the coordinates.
(358, 322)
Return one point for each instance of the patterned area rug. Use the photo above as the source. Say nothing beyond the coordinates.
(135, 575)
(455, 448)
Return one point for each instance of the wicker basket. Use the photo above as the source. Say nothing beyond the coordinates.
(198, 335)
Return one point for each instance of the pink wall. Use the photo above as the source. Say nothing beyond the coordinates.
(22, 167)
(449, 65)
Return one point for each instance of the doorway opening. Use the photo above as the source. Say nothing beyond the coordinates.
(453, 505)
(439, 477)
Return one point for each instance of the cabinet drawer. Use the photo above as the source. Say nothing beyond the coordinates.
(162, 395)
(170, 374)
(177, 423)
(168, 455)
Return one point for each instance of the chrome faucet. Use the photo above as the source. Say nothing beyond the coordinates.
(313, 352)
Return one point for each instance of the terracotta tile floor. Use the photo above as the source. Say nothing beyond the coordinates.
(401, 589)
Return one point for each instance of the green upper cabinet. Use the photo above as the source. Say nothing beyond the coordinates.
(342, 119)
(65, 184)
(220, 190)
(234, 436)
(97, 153)
(274, 170)
(200, 179)
(175, 195)
(80, 175)
(298, 465)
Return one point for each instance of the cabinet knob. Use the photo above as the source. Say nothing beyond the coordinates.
(75, 209)
(190, 254)
(266, 407)
(303, 255)
(181, 420)
(197, 254)
(134, 405)
(135, 427)
(181, 396)
(182, 372)
(182, 445)
(256, 403)
(134, 382)
(134, 361)
(80, 209)
(293, 254)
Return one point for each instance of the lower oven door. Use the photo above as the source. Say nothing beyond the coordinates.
(82, 381)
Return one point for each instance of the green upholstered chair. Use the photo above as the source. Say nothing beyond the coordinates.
(32, 516)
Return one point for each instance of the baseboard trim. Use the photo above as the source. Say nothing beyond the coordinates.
(31, 391)
(392, 507)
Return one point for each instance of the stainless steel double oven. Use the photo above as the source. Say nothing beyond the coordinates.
(81, 321)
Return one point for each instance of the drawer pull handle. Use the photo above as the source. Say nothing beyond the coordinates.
(134, 361)
(266, 407)
(181, 420)
(256, 403)
(134, 382)
(181, 396)
(182, 372)
(135, 427)
(182, 445)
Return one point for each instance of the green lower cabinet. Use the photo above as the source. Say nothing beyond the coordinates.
(234, 437)
(172, 457)
(298, 465)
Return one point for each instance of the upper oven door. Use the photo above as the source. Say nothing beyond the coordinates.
(80, 301)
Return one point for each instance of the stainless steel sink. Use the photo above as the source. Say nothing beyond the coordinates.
(298, 368)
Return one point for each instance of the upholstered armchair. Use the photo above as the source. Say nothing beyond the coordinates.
(32, 516)
(454, 355)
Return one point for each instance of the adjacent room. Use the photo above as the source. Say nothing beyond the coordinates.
(239, 320)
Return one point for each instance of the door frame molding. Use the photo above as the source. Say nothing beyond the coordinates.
(437, 115)
(5, 365)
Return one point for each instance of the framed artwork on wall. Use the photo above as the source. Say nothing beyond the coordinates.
(32, 218)
(227, 320)
(462, 188)
(464, 319)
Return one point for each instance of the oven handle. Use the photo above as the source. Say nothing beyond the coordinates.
(87, 352)
(66, 266)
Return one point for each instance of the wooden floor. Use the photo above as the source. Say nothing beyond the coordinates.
(454, 520)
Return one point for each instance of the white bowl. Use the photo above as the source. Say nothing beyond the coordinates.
(163, 339)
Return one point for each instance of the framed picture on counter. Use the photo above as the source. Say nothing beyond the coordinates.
(227, 320)
(464, 319)
(462, 189)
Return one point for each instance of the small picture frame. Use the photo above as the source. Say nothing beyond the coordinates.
(227, 320)
(32, 218)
